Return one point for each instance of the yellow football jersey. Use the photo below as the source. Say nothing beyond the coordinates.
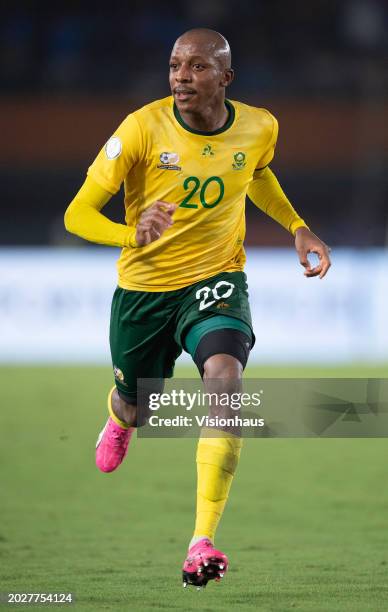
(207, 174)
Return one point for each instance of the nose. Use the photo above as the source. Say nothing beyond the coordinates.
(183, 74)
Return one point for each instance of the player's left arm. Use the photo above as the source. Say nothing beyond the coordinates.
(307, 242)
(267, 194)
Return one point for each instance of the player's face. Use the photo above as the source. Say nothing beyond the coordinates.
(196, 76)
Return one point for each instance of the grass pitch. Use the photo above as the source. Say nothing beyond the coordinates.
(305, 527)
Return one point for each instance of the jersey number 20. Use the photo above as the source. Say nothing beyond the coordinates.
(193, 183)
(206, 291)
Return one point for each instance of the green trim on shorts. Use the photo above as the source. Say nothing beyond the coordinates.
(196, 333)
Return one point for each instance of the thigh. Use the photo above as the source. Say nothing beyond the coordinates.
(217, 303)
(141, 338)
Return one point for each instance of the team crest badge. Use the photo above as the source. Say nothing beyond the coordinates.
(169, 161)
(118, 374)
(222, 305)
(239, 161)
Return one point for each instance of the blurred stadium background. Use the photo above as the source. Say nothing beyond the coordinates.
(70, 73)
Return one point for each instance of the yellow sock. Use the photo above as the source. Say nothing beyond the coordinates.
(217, 459)
(112, 414)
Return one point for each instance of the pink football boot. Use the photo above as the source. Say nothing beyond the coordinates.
(112, 446)
(204, 563)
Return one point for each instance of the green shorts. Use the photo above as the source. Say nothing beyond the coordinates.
(148, 330)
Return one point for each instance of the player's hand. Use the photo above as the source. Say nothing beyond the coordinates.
(154, 221)
(306, 242)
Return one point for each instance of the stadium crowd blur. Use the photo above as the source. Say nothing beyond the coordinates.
(69, 74)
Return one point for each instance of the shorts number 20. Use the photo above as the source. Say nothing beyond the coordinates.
(204, 293)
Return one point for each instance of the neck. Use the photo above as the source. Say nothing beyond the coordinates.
(208, 119)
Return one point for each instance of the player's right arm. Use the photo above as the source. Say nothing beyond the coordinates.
(84, 218)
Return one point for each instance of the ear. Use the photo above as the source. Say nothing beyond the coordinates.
(227, 77)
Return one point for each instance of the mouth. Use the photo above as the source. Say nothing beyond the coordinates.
(183, 94)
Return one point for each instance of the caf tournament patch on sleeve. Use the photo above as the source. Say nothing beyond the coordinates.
(113, 147)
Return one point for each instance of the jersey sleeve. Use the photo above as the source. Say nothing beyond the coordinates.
(119, 154)
(269, 150)
(267, 194)
(83, 218)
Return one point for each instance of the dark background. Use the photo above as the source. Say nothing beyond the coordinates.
(69, 74)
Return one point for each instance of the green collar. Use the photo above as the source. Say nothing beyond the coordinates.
(225, 127)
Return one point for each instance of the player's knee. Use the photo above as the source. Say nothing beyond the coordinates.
(223, 366)
(223, 353)
(122, 401)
